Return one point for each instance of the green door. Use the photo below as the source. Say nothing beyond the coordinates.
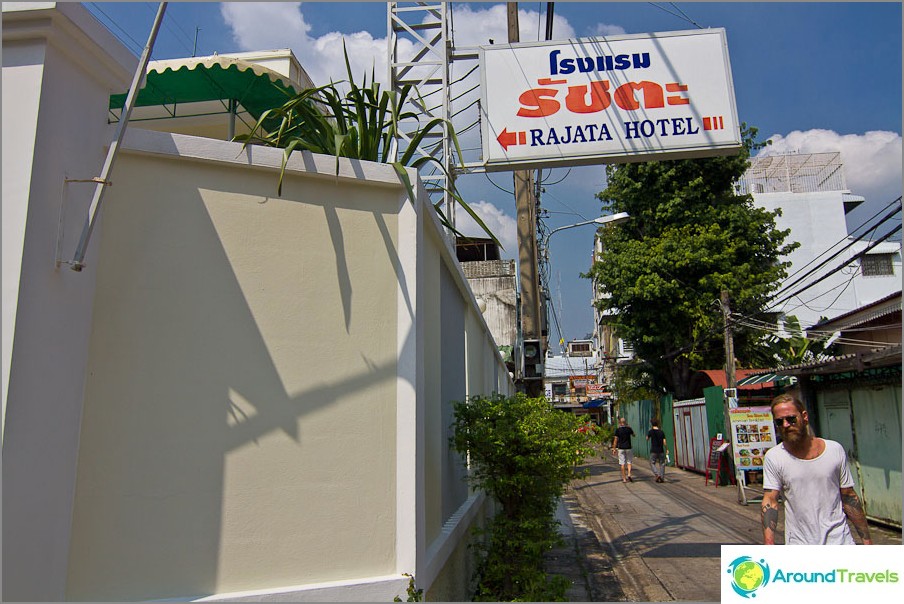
(835, 420)
(877, 425)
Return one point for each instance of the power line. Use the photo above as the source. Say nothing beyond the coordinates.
(682, 16)
(785, 286)
(844, 287)
(137, 45)
(846, 263)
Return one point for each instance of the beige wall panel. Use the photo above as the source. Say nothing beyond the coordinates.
(434, 447)
(239, 420)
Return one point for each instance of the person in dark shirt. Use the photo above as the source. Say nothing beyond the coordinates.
(657, 440)
(622, 444)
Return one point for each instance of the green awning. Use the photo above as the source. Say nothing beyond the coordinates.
(174, 84)
(766, 378)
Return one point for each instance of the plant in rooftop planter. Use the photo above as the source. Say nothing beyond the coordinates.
(360, 123)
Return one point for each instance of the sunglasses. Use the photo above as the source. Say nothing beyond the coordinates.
(780, 421)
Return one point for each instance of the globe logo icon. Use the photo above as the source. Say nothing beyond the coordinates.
(748, 575)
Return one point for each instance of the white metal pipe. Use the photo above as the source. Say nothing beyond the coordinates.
(78, 262)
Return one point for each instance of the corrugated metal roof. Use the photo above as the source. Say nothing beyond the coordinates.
(880, 308)
(877, 357)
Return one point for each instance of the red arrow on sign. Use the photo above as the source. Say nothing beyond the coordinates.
(507, 138)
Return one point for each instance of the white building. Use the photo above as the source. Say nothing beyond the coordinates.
(572, 381)
(811, 193)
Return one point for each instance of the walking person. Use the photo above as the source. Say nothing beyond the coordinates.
(622, 444)
(658, 444)
(813, 477)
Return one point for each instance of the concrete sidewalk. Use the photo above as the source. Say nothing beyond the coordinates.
(636, 541)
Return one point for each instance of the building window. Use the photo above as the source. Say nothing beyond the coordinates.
(876, 265)
(559, 389)
(579, 349)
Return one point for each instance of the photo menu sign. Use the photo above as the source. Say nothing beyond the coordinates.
(752, 434)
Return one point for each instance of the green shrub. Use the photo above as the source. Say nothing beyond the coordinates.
(523, 453)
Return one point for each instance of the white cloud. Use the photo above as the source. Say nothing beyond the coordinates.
(271, 25)
(473, 27)
(605, 29)
(872, 161)
(503, 226)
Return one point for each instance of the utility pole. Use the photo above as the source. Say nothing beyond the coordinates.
(526, 207)
(730, 379)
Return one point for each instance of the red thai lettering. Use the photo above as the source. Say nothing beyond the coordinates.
(538, 102)
(576, 101)
(595, 97)
(676, 99)
(652, 95)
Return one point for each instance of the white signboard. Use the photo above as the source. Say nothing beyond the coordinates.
(608, 100)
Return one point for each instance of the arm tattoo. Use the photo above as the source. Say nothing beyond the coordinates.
(770, 516)
(853, 509)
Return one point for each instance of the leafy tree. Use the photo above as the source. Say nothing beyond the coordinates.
(690, 236)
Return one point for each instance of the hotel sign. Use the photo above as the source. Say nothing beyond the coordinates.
(608, 100)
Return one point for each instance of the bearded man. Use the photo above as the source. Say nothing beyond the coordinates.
(813, 477)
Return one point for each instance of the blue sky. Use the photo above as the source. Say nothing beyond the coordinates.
(811, 76)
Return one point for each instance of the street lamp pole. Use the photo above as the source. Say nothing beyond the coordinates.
(602, 220)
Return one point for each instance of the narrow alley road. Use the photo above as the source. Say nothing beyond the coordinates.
(645, 541)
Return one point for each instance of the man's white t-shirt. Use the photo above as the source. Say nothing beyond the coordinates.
(811, 489)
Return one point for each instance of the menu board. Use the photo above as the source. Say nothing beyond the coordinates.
(752, 434)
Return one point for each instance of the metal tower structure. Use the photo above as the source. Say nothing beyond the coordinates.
(420, 47)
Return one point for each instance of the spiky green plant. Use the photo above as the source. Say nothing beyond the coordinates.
(360, 123)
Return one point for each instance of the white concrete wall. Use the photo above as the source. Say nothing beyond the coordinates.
(59, 67)
(868, 289)
(267, 382)
(817, 222)
(239, 422)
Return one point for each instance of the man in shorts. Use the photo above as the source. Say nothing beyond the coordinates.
(622, 444)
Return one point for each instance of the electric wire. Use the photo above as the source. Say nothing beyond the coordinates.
(846, 263)
(822, 336)
(681, 16)
(844, 286)
(788, 285)
(846, 238)
(169, 24)
(497, 186)
(138, 46)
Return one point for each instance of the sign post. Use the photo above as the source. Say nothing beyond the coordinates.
(717, 446)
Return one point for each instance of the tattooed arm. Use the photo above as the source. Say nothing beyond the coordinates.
(853, 509)
(769, 515)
